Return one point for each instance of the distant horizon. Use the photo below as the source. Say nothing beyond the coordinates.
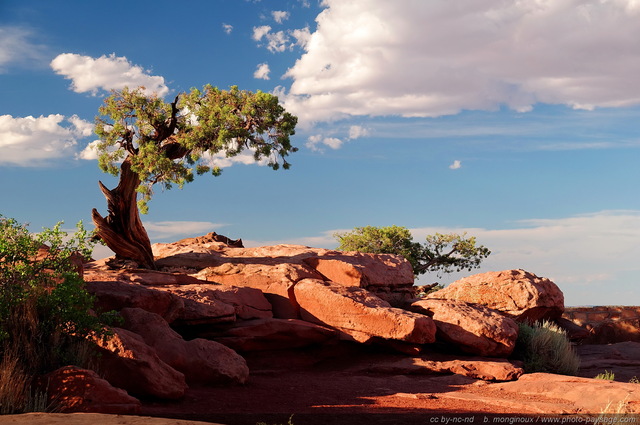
(106, 253)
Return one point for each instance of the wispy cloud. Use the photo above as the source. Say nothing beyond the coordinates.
(91, 75)
(159, 230)
(455, 165)
(16, 47)
(227, 28)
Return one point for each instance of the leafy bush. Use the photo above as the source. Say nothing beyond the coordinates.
(544, 347)
(45, 312)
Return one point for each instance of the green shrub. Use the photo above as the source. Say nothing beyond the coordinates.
(45, 311)
(290, 422)
(606, 376)
(544, 347)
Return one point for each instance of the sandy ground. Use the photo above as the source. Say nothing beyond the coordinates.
(89, 419)
(316, 388)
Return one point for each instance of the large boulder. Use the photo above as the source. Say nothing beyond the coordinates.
(359, 315)
(517, 293)
(273, 334)
(273, 277)
(127, 362)
(215, 303)
(115, 295)
(201, 361)
(473, 328)
(72, 389)
(389, 276)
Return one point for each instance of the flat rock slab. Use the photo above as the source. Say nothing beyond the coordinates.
(486, 369)
(622, 359)
(574, 389)
(521, 406)
(89, 418)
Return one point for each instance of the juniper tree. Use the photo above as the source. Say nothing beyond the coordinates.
(441, 253)
(147, 141)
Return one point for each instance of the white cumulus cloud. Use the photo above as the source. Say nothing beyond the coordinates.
(260, 32)
(280, 16)
(227, 28)
(302, 36)
(357, 131)
(33, 141)
(279, 41)
(89, 74)
(221, 160)
(90, 152)
(317, 142)
(262, 72)
(427, 58)
(455, 165)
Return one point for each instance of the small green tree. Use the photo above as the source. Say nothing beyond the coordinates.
(441, 253)
(147, 141)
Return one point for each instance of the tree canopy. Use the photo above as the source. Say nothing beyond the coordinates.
(147, 141)
(441, 253)
(170, 143)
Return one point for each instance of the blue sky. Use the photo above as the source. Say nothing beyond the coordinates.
(516, 122)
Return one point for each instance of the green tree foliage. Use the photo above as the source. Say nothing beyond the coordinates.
(44, 307)
(170, 143)
(441, 253)
(147, 141)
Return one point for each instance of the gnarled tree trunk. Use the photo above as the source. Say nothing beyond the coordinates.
(122, 230)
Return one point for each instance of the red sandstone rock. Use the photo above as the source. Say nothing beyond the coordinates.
(72, 389)
(249, 303)
(201, 313)
(273, 277)
(473, 328)
(115, 295)
(214, 303)
(127, 362)
(363, 270)
(201, 361)
(517, 293)
(574, 332)
(276, 269)
(473, 367)
(360, 315)
(274, 334)
(623, 358)
(75, 259)
(586, 394)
